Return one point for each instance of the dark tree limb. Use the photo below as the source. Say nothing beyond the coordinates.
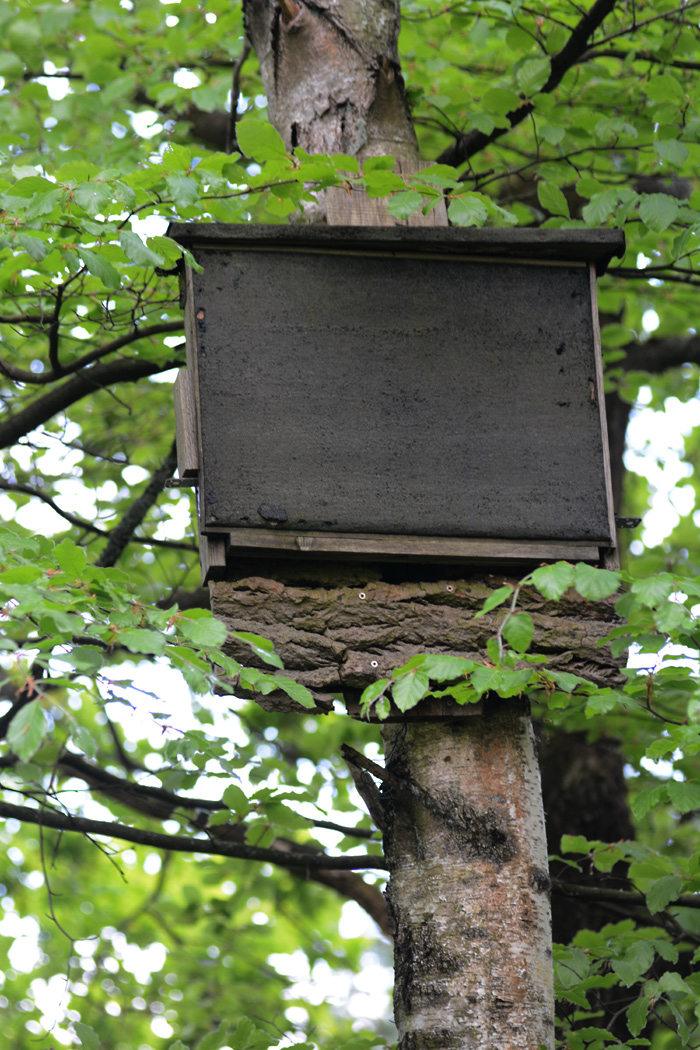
(80, 523)
(23, 375)
(122, 533)
(618, 413)
(466, 146)
(659, 354)
(86, 382)
(628, 897)
(186, 844)
(638, 56)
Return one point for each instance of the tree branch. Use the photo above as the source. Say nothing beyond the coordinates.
(638, 56)
(569, 889)
(681, 10)
(86, 382)
(80, 523)
(23, 375)
(122, 533)
(186, 844)
(467, 145)
(231, 142)
(657, 355)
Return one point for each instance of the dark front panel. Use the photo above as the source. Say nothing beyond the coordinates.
(385, 394)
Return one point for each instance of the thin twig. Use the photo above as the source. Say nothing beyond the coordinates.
(185, 844)
(121, 534)
(23, 375)
(231, 143)
(88, 526)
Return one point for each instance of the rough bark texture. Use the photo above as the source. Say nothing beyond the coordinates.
(331, 75)
(469, 889)
(338, 634)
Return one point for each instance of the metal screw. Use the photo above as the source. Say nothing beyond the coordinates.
(362, 596)
(374, 663)
(449, 588)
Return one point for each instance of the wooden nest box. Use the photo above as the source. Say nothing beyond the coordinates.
(389, 393)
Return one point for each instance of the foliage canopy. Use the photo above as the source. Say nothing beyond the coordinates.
(116, 118)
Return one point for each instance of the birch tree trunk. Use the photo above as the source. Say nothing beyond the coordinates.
(469, 887)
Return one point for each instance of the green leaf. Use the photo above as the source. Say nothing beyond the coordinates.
(260, 140)
(99, 267)
(576, 844)
(373, 692)
(383, 163)
(672, 982)
(600, 207)
(93, 197)
(216, 1039)
(496, 598)
(444, 668)
(84, 741)
(34, 246)
(44, 203)
(664, 88)
(204, 630)
(179, 158)
(595, 584)
(638, 959)
(684, 795)
(663, 891)
(649, 799)
(552, 199)
(262, 647)
(409, 689)
(27, 730)
(70, 557)
(404, 204)
(672, 151)
(518, 630)
(88, 1037)
(501, 100)
(653, 589)
(140, 640)
(532, 75)
(296, 690)
(137, 251)
(21, 574)
(658, 211)
(637, 1014)
(183, 190)
(236, 799)
(567, 682)
(467, 211)
(553, 580)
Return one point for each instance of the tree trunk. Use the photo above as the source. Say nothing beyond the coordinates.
(469, 889)
(469, 886)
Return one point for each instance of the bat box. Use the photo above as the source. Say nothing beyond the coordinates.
(392, 393)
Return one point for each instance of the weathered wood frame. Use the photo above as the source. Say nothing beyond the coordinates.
(592, 249)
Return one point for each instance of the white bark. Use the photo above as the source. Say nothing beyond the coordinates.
(469, 889)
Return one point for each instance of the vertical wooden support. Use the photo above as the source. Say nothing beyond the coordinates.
(611, 558)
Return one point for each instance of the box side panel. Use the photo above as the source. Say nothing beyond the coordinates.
(398, 395)
(185, 425)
